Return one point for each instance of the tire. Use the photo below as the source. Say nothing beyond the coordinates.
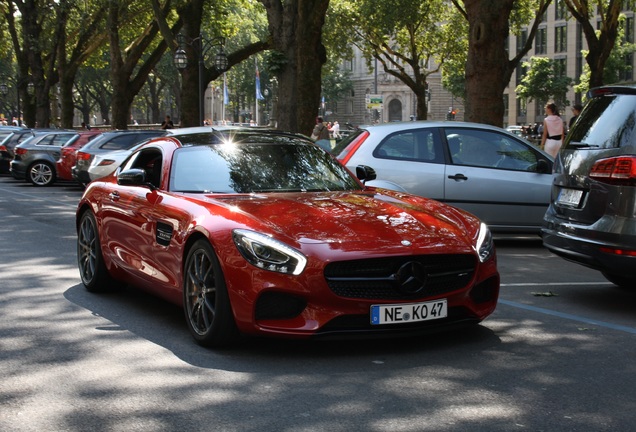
(205, 299)
(90, 261)
(41, 173)
(621, 281)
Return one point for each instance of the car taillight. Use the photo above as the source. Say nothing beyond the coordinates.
(353, 146)
(81, 156)
(106, 162)
(21, 151)
(3, 148)
(622, 252)
(619, 170)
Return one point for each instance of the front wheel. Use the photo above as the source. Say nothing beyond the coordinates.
(205, 298)
(41, 174)
(90, 262)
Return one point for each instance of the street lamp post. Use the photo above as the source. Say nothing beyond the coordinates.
(202, 47)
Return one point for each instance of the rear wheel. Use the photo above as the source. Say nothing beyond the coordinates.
(41, 174)
(620, 280)
(90, 261)
(205, 298)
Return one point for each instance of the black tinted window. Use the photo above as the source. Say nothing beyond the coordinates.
(606, 122)
(421, 145)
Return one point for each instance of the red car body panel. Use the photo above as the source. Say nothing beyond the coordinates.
(327, 227)
(69, 154)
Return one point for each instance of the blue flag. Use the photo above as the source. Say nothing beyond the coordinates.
(259, 95)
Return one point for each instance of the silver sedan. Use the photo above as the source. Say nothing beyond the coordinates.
(499, 177)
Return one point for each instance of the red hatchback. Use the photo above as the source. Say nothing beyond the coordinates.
(68, 154)
(265, 233)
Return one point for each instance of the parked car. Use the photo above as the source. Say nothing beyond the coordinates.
(499, 177)
(10, 136)
(68, 155)
(267, 234)
(106, 142)
(34, 159)
(592, 216)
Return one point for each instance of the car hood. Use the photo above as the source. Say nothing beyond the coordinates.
(368, 217)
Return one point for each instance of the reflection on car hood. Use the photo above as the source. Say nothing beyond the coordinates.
(352, 217)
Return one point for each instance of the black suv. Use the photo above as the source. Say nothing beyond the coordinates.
(591, 219)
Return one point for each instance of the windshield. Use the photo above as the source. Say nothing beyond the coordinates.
(616, 114)
(246, 167)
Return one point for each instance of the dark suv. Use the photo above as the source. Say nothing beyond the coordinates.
(591, 219)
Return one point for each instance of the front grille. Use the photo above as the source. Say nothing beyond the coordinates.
(379, 278)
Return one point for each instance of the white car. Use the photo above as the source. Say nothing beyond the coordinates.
(106, 163)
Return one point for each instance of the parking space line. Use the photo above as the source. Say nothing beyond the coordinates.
(569, 316)
(521, 284)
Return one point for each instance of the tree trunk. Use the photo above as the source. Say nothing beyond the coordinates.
(296, 29)
(487, 61)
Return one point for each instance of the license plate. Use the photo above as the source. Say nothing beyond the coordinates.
(408, 312)
(570, 197)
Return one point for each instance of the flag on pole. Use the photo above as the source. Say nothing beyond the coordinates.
(259, 95)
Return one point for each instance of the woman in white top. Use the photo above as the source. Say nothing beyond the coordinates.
(553, 131)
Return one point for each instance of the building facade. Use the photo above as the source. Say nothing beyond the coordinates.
(559, 37)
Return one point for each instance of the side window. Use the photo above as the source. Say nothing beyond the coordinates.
(150, 160)
(418, 145)
(489, 149)
(121, 142)
(61, 139)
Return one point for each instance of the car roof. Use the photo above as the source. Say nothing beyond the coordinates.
(202, 135)
(398, 126)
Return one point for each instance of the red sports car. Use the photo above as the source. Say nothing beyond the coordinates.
(265, 233)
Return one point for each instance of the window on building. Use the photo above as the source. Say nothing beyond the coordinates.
(560, 10)
(561, 39)
(628, 5)
(629, 29)
(522, 38)
(627, 73)
(506, 101)
(560, 66)
(541, 41)
(349, 108)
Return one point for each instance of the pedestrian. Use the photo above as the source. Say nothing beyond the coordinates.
(321, 134)
(167, 123)
(553, 130)
(85, 126)
(335, 130)
(576, 110)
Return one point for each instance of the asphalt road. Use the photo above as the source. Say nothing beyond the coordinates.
(557, 355)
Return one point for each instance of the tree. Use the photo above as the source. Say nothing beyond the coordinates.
(543, 82)
(488, 68)
(192, 14)
(296, 30)
(411, 39)
(600, 44)
(615, 66)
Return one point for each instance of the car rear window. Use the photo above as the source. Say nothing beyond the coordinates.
(616, 114)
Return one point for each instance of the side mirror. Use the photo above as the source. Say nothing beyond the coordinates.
(365, 173)
(544, 167)
(132, 177)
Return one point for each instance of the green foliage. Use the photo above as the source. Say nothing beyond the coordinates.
(615, 66)
(542, 82)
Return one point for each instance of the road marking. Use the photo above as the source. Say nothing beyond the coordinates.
(569, 316)
(555, 284)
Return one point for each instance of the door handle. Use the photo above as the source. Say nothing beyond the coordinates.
(458, 176)
(114, 196)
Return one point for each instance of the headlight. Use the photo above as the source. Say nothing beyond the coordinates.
(485, 246)
(269, 254)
